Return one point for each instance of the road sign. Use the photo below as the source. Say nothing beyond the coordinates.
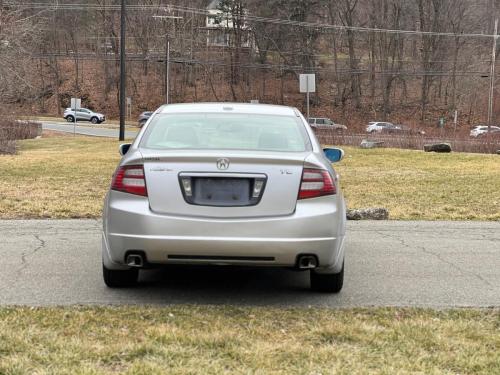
(76, 103)
(307, 83)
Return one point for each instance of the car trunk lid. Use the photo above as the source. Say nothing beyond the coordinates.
(223, 183)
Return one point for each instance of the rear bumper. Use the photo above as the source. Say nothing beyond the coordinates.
(316, 227)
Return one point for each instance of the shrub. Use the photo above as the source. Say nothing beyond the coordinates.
(12, 130)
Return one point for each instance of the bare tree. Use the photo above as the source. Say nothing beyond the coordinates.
(347, 14)
(232, 17)
(19, 36)
(432, 18)
(388, 48)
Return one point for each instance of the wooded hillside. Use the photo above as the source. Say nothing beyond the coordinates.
(409, 61)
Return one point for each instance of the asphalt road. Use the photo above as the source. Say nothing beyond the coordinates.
(427, 264)
(86, 129)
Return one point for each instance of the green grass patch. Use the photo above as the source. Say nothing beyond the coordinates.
(67, 177)
(216, 340)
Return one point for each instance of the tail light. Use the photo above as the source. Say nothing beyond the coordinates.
(316, 183)
(130, 179)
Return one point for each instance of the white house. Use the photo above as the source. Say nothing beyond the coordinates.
(220, 29)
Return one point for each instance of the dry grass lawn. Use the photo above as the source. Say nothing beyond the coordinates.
(423, 186)
(67, 177)
(57, 177)
(224, 340)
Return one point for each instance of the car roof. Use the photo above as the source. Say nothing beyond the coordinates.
(264, 109)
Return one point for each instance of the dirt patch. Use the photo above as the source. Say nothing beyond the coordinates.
(54, 134)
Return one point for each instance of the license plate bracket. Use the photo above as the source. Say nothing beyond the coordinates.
(222, 191)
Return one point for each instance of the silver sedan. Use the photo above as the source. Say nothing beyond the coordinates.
(225, 184)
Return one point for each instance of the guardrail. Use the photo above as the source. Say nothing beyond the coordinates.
(407, 141)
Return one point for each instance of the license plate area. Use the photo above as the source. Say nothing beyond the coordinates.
(222, 191)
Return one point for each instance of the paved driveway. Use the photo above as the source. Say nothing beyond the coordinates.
(429, 264)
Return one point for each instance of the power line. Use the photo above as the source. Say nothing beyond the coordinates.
(296, 68)
(202, 41)
(276, 21)
(326, 26)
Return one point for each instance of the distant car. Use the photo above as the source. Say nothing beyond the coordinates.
(325, 123)
(481, 129)
(143, 117)
(494, 134)
(83, 114)
(379, 127)
(408, 130)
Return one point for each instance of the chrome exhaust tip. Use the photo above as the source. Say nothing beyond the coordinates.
(135, 260)
(307, 262)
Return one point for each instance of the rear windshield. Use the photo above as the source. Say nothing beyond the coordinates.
(226, 131)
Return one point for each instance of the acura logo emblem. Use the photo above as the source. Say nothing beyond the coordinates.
(222, 163)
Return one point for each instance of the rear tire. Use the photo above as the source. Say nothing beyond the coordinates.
(121, 278)
(327, 282)
(70, 118)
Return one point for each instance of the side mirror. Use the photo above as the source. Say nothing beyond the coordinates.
(334, 154)
(124, 148)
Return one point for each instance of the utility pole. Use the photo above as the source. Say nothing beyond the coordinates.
(167, 56)
(492, 78)
(122, 71)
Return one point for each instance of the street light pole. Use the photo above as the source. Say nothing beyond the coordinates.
(122, 71)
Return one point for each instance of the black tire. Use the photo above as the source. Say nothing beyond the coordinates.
(94, 120)
(120, 279)
(327, 282)
(141, 123)
(70, 118)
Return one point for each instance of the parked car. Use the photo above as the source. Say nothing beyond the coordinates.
(325, 123)
(494, 134)
(225, 184)
(481, 129)
(404, 129)
(83, 114)
(143, 117)
(379, 127)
